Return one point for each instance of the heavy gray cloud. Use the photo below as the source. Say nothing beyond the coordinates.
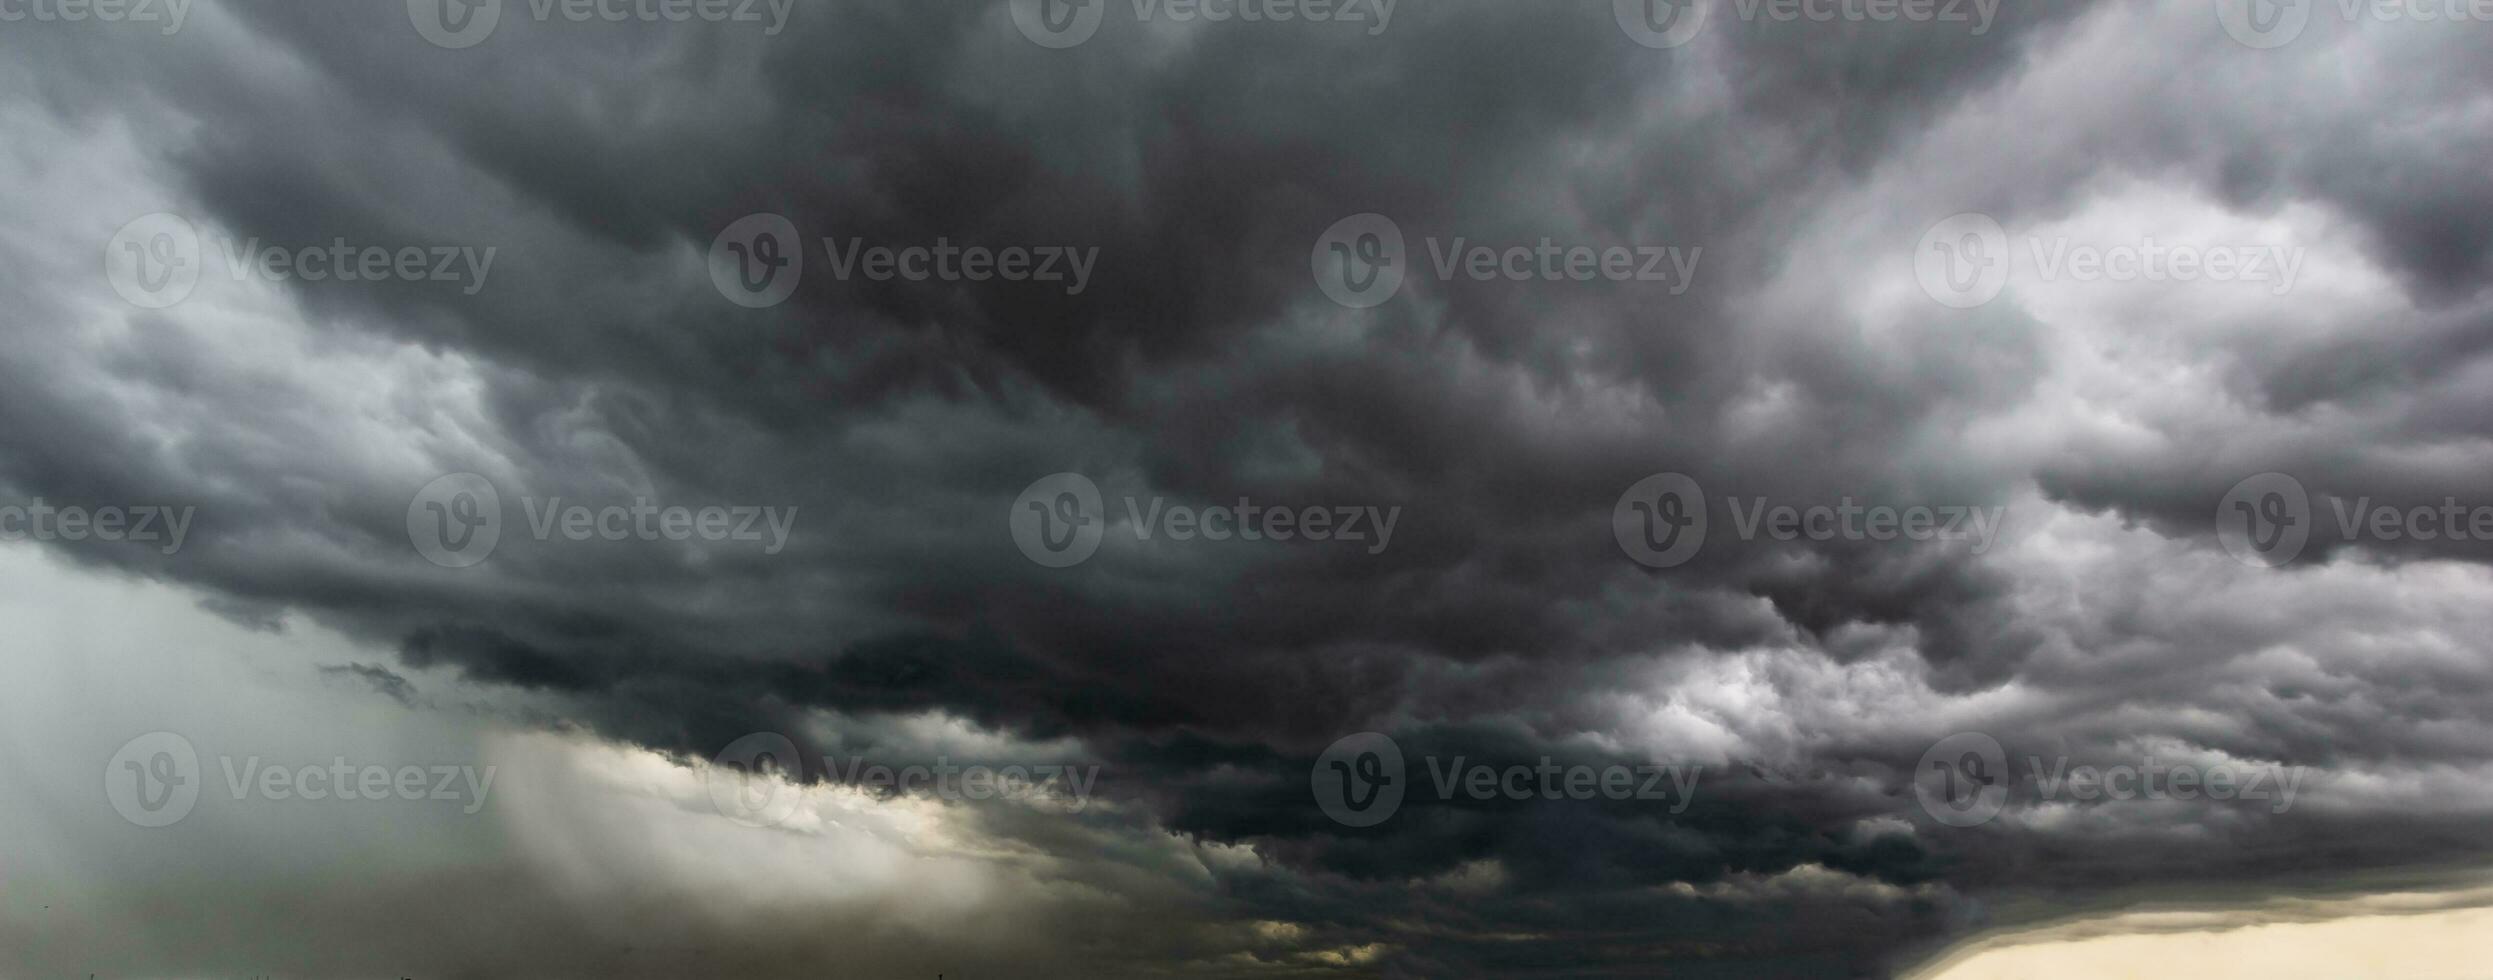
(2104, 624)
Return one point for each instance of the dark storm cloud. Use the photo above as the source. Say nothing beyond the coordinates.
(897, 420)
(382, 680)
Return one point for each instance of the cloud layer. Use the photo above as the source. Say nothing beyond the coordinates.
(1789, 171)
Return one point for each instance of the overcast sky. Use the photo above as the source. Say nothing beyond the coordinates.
(1414, 489)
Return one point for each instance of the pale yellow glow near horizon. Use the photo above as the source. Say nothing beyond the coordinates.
(2447, 945)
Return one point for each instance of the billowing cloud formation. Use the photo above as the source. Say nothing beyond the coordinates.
(2091, 418)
